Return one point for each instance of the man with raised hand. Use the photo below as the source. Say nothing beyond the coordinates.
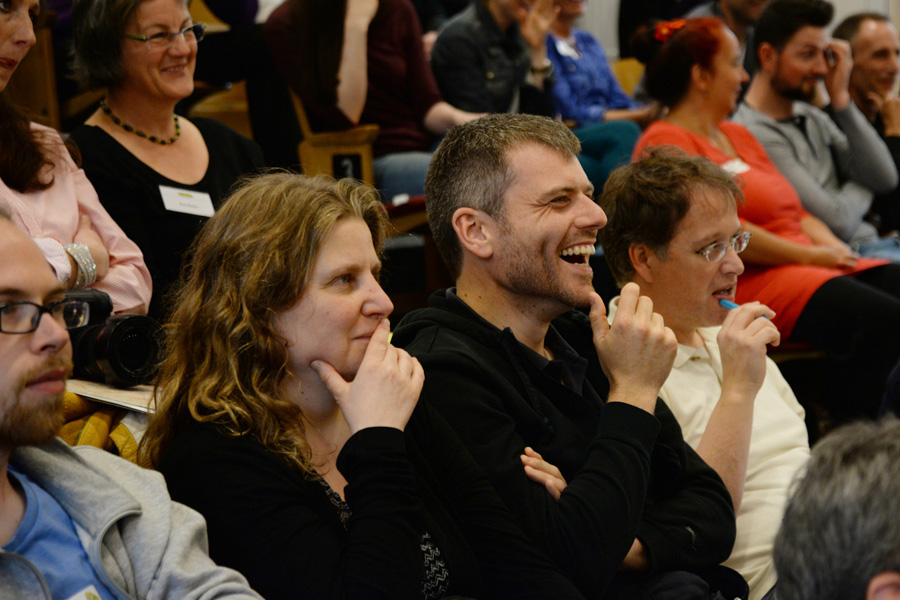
(835, 161)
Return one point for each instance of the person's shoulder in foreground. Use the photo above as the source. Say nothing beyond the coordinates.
(839, 538)
(78, 523)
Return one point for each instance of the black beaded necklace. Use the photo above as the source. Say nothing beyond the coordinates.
(106, 110)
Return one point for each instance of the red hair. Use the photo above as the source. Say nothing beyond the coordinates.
(669, 63)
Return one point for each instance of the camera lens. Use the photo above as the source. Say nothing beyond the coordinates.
(127, 349)
(123, 351)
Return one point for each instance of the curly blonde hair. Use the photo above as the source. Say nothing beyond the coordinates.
(225, 362)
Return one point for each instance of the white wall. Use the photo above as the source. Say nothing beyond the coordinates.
(602, 17)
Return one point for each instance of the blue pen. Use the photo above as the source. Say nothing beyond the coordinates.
(731, 306)
(728, 304)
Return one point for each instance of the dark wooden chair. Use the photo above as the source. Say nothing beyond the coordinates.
(346, 153)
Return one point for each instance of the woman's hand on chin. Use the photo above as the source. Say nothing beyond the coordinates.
(386, 387)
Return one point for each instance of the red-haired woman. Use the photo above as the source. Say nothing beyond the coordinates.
(823, 294)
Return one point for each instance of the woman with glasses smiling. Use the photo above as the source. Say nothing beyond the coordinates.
(822, 293)
(159, 175)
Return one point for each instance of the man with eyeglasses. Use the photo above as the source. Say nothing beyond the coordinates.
(78, 523)
(674, 230)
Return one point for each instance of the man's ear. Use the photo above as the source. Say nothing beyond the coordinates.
(642, 260)
(884, 586)
(475, 231)
(767, 56)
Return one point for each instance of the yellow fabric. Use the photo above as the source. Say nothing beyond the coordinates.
(124, 442)
(90, 423)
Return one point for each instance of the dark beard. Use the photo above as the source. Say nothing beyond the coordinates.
(26, 426)
(796, 93)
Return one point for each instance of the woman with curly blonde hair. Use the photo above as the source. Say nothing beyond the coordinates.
(288, 420)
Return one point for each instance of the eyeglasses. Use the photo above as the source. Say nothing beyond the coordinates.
(24, 317)
(191, 33)
(716, 252)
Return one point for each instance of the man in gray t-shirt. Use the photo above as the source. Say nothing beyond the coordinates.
(836, 162)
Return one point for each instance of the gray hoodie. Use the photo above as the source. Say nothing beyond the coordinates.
(140, 543)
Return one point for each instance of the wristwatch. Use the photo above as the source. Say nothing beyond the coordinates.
(544, 69)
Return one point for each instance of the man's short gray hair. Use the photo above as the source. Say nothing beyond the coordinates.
(470, 168)
(842, 524)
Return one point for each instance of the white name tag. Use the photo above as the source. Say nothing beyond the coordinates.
(88, 593)
(187, 201)
(736, 166)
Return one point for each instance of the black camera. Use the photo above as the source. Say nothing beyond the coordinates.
(121, 350)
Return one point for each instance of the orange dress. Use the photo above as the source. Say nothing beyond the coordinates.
(771, 203)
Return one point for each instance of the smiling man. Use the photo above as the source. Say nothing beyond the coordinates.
(673, 230)
(873, 86)
(78, 523)
(876, 61)
(510, 365)
(836, 162)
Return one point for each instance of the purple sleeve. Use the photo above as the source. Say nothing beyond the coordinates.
(281, 35)
(237, 13)
(423, 90)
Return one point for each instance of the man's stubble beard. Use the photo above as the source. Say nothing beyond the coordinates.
(39, 423)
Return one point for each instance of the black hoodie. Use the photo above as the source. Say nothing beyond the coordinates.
(630, 474)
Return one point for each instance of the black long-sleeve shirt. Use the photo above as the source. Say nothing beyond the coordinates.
(280, 529)
(630, 474)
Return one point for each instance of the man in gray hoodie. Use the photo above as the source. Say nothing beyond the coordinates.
(78, 523)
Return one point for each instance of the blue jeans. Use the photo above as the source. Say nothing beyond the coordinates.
(605, 147)
(887, 248)
(401, 173)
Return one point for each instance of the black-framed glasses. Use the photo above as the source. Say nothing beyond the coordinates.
(191, 33)
(716, 252)
(24, 317)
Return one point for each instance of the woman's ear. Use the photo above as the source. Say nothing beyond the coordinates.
(642, 260)
(700, 78)
(475, 230)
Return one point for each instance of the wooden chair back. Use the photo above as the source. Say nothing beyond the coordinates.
(346, 153)
(629, 72)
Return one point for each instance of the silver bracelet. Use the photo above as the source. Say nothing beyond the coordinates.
(87, 268)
